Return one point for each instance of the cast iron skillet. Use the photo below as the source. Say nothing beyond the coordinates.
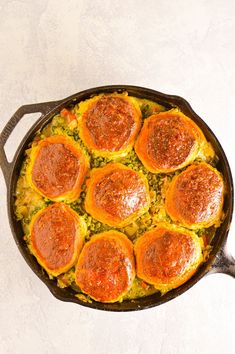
(220, 260)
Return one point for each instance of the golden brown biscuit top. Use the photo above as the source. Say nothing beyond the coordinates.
(105, 268)
(167, 254)
(170, 141)
(53, 235)
(197, 194)
(55, 169)
(110, 122)
(116, 194)
(120, 193)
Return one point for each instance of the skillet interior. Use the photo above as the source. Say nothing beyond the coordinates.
(67, 294)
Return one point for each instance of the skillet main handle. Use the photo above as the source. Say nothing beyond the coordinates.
(43, 108)
(224, 263)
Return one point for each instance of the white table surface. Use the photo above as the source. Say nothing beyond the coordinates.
(52, 49)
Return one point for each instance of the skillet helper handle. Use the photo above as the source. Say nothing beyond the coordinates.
(224, 263)
(9, 127)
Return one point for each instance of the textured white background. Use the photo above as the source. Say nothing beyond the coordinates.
(51, 49)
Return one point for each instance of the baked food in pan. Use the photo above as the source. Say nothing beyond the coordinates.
(120, 197)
